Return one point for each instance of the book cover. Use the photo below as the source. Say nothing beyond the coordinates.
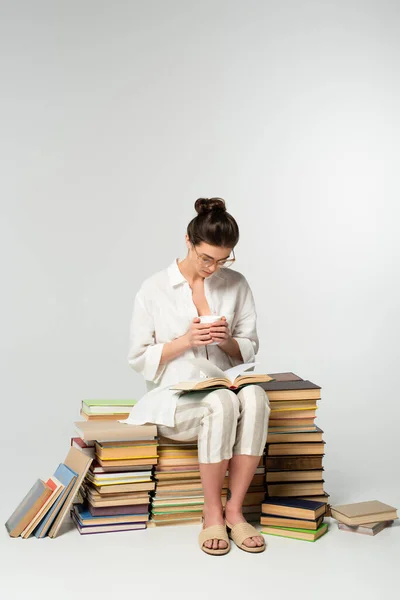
(111, 430)
(359, 513)
(308, 535)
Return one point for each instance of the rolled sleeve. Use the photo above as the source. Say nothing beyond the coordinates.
(245, 329)
(144, 353)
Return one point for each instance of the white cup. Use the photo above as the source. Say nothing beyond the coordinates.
(210, 319)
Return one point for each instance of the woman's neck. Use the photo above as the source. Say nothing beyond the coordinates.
(189, 273)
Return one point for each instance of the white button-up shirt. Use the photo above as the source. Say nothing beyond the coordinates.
(163, 310)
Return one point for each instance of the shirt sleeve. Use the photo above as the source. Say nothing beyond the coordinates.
(144, 353)
(245, 329)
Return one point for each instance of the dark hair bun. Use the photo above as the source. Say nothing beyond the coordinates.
(204, 205)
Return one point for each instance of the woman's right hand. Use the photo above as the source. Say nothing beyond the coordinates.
(198, 334)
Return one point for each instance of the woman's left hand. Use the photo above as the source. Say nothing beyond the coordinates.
(219, 331)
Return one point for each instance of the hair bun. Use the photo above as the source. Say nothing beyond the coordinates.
(204, 205)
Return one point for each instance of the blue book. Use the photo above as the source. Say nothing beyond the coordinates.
(67, 477)
(293, 507)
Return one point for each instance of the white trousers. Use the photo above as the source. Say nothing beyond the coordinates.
(222, 422)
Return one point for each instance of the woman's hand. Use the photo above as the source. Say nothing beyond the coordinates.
(220, 331)
(198, 334)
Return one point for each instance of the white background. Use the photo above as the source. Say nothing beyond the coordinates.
(115, 117)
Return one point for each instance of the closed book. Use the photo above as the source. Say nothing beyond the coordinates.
(28, 508)
(104, 511)
(111, 430)
(279, 421)
(296, 448)
(295, 489)
(88, 449)
(86, 518)
(125, 487)
(79, 463)
(291, 428)
(367, 528)
(278, 438)
(288, 376)
(67, 478)
(293, 507)
(129, 462)
(104, 417)
(307, 535)
(293, 463)
(281, 521)
(288, 415)
(108, 452)
(294, 476)
(359, 513)
(107, 406)
(291, 390)
(114, 527)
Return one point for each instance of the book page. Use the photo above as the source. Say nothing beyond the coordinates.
(206, 369)
(232, 373)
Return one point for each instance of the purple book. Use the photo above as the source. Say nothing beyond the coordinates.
(84, 530)
(132, 509)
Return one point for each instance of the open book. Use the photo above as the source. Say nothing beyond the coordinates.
(212, 377)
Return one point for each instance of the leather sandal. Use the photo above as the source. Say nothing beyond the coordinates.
(211, 533)
(240, 532)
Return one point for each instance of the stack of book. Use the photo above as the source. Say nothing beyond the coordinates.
(294, 518)
(179, 497)
(97, 410)
(45, 507)
(368, 518)
(117, 486)
(295, 448)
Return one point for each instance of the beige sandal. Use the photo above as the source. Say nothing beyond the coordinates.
(211, 533)
(240, 532)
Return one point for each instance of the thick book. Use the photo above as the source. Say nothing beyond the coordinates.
(296, 448)
(28, 508)
(215, 378)
(114, 527)
(99, 407)
(293, 507)
(359, 513)
(299, 488)
(308, 535)
(111, 430)
(367, 528)
(275, 521)
(127, 509)
(292, 390)
(86, 517)
(293, 463)
(288, 376)
(302, 436)
(78, 463)
(294, 476)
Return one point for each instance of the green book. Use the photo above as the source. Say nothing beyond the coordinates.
(308, 535)
(109, 402)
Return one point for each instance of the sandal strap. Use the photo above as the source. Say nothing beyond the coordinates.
(214, 532)
(242, 531)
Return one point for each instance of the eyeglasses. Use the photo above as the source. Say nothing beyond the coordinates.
(206, 261)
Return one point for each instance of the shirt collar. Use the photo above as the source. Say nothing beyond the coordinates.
(176, 277)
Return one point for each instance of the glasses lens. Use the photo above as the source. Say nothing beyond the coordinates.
(227, 263)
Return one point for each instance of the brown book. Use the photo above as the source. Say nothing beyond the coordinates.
(186, 475)
(322, 498)
(291, 390)
(278, 422)
(286, 405)
(296, 489)
(129, 462)
(277, 438)
(126, 452)
(285, 376)
(111, 430)
(293, 507)
(172, 462)
(289, 428)
(275, 521)
(359, 513)
(293, 463)
(108, 417)
(119, 488)
(285, 415)
(297, 449)
(292, 476)
(28, 508)
(78, 462)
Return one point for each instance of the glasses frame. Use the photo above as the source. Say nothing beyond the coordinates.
(208, 262)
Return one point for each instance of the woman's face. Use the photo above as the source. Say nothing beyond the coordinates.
(204, 257)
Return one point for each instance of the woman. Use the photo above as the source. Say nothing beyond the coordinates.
(166, 333)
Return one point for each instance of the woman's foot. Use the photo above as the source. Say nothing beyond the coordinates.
(214, 517)
(236, 516)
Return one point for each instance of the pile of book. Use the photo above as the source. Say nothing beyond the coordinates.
(368, 518)
(294, 518)
(116, 490)
(294, 450)
(179, 497)
(46, 506)
(97, 410)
